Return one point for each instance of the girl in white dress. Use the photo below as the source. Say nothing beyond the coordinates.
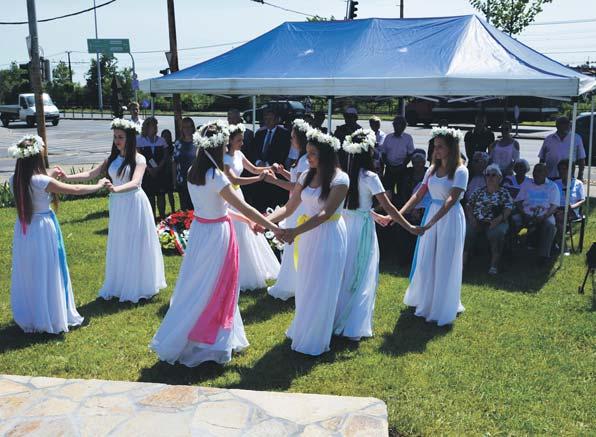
(320, 254)
(435, 278)
(134, 263)
(356, 302)
(285, 286)
(258, 263)
(41, 292)
(203, 322)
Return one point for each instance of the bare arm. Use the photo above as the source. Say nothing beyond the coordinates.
(134, 183)
(87, 175)
(336, 197)
(228, 194)
(452, 198)
(237, 180)
(252, 168)
(58, 187)
(393, 212)
(414, 200)
(289, 208)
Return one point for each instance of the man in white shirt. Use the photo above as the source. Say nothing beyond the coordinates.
(396, 151)
(538, 201)
(556, 148)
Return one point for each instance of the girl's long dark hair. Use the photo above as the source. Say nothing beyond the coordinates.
(24, 170)
(356, 163)
(198, 170)
(302, 140)
(328, 164)
(130, 154)
(454, 158)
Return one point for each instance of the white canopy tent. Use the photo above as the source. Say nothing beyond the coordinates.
(449, 56)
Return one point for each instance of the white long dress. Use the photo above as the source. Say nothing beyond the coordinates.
(41, 292)
(435, 279)
(134, 263)
(204, 258)
(321, 260)
(258, 263)
(285, 286)
(356, 302)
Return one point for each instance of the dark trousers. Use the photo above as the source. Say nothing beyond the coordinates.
(393, 177)
(185, 201)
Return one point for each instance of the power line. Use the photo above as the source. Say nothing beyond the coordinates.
(45, 20)
(283, 9)
(571, 51)
(544, 23)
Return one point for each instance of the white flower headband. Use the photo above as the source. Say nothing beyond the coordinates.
(29, 145)
(120, 123)
(447, 132)
(360, 141)
(233, 128)
(221, 138)
(301, 125)
(321, 138)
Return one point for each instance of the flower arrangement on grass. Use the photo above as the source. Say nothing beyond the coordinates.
(173, 231)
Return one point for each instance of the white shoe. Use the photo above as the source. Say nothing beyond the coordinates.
(492, 271)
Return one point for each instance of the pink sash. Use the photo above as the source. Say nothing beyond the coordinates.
(219, 312)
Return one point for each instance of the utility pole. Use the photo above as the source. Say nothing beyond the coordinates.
(99, 87)
(402, 101)
(173, 61)
(36, 77)
(69, 67)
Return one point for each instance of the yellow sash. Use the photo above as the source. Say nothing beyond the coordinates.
(236, 187)
(303, 218)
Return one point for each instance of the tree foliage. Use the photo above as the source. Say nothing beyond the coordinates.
(511, 16)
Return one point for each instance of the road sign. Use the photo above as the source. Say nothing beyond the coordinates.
(107, 45)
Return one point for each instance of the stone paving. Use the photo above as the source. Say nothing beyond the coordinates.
(36, 406)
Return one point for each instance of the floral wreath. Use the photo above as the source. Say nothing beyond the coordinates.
(301, 125)
(221, 138)
(120, 123)
(447, 132)
(234, 128)
(321, 138)
(29, 145)
(360, 141)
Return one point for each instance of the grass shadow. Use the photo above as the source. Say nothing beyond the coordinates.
(265, 307)
(101, 231)
(91, 216)
(102, 307)
(13, 338)
(411, 334)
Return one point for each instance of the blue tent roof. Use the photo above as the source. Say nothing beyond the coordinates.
(422, 56)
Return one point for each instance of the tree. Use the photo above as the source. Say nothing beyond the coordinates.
(12, 84)
(319, 18)
(511, 16)
(109, 69)
(64, 92)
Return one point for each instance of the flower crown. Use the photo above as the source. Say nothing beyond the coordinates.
(360, 141)
(321, 138)
(301, 125)
(447, 132)
(29, 145)
(120, 123)
(221, 138)
(233, 128)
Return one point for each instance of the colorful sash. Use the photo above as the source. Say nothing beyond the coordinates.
(363, 256)
(219, 312)
(422, 223)
(303, 218)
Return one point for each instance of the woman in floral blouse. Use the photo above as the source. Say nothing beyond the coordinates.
(487, 212)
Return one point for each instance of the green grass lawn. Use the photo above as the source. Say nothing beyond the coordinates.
(520, 360)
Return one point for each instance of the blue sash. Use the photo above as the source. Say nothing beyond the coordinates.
(422, 223)
(61, 252)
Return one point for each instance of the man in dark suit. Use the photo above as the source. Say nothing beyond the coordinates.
(271, 145)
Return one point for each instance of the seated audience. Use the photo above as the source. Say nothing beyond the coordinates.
(477, 165)
(513, 184)
(487, 213)
(577, 195)
(538, 202)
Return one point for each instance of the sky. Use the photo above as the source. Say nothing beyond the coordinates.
(225, 24)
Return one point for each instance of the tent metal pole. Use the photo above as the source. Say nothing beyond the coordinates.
(569, 176)
(254, 113)
(329, 114)
(152, 107)
(590, 141)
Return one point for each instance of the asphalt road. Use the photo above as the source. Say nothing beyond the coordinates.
(81, 143)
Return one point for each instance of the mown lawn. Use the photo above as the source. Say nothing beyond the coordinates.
(520, 360)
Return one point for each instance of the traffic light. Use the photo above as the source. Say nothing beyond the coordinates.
(353, 11)
(45, 69)
(25, 70)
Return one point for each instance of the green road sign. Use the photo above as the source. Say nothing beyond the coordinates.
(106, 45)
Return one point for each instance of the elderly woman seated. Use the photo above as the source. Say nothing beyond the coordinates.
(577, 196)
(477, 180)
(487, 213)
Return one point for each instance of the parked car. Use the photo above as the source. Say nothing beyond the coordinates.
(287, 111)
(25, 111)
(582, 128)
